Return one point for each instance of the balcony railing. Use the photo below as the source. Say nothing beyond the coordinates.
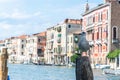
(115, 41)
(105, 41)
(91, 43)
(98, 42)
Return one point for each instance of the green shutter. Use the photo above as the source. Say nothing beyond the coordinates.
(59, 35)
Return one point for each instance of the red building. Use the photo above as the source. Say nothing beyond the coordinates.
(41, 43)
(101, 25)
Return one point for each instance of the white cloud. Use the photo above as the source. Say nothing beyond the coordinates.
(74, 11)
(17, 33)
(7, 0)
(5, 26)
(9, 30)
(37, 13)
(16, 14)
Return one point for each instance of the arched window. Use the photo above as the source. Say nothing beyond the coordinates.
(114, 33)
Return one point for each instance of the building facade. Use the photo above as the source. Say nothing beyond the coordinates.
(58, 36)
(11, 44)
(26, 48)
(16, 48)
(102, 27)
(35, 47)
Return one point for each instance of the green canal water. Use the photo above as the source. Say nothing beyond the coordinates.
(39, 72)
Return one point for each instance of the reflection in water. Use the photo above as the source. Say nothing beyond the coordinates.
(36, 72)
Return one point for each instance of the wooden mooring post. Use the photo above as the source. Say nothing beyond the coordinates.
(3, 64)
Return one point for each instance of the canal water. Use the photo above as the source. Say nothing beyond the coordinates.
(37, 72)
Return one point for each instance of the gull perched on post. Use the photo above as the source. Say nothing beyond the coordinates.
(83, 43)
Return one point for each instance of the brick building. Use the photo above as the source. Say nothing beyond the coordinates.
(102, 27)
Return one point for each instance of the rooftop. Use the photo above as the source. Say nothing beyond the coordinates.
(96, 8)
(23, 36)
(40, 34)
(68, 21)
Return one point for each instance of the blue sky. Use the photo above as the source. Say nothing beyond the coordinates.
(19, 17)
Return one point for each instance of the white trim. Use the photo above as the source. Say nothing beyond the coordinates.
(109, 29)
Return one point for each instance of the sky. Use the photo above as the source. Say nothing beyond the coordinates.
(26, 17)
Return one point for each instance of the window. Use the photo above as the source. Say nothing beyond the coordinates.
(22, 46)
(22, 40)
(92, 35)
(33, 40)
(101, 16)
(71, 48)
(67, 39)
(38, 40)
(90, 20)
(54, 50)
(114, 33)
(97, 35)
(59, 49)
(52, 36)
(93, 19)
(68, 49)
(100, 48)
(69, 26)
(22, 53)
(71, 39)
(107, 15)
(28, 41)
(39, 52)
(52, 44)
(100, 32)
(119, 1)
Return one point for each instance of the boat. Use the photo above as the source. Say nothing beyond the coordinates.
(111, 71)
(100, 66)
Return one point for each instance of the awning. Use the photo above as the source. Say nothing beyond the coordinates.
(113, 54)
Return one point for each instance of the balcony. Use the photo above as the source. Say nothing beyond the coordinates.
(115, 41)
(105, 41)
(90, 27)
(91, 43)
(98, 42)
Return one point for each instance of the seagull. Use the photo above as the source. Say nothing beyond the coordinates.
(83, 43)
